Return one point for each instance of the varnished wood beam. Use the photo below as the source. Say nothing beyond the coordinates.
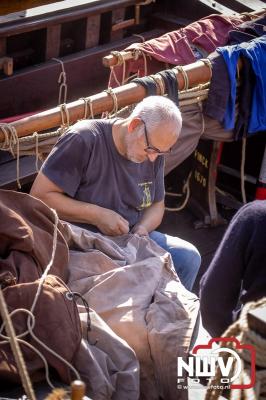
(128, 94)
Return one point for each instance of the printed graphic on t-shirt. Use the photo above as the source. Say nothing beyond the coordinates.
(146, 199)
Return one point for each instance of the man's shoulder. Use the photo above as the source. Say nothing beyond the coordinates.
(89, 130)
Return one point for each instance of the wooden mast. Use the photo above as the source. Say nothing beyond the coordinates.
(131, 93)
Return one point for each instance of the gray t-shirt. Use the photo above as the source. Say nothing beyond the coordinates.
(86, 165)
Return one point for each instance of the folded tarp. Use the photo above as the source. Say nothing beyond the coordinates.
(137, 319)
(131, 283)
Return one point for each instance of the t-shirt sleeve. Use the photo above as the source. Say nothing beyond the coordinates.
(66, 162)
(159, 180)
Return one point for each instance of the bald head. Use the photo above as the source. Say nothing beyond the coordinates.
(162, 119)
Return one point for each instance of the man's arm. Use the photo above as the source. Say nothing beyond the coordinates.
(238, 260)
(151, 219)
(107, 221)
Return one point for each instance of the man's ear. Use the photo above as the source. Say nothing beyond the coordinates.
(133, 124)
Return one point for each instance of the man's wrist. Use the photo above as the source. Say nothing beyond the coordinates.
(92, 214)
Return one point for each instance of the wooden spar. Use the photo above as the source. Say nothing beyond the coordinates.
(131, 93)
(112, 60)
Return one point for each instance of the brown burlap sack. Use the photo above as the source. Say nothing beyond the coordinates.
(57, 325)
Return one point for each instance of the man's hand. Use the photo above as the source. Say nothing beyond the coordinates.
(112, 224)
(140, 230)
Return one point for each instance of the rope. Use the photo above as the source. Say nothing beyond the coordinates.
(85, 116)
(23, 372)
(136, 54)
(115, 76)
(36, 137)
(160, 83)
(49, 265)
(185, 189)
(191, 94)
(120, 61)
(119, 56)
(87, 101)
(91, 109)
(241, 330)
(202, 119)
(208, 63)
(115, 101)
(198, 99)
(62, 81)
(31, 317)
(184, 75)
(40, 136)
(11, 140)
(242, 170)
(139, 36)
(64, 115)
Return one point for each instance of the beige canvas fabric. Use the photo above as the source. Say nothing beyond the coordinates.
(106, 363)
(131, 284)
(195, 126)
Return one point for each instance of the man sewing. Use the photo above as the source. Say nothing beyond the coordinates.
(108, 176)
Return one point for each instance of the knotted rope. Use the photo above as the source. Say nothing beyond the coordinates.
(120, 61)
(87, 101)
(115, 102)
(180, 69)
(62, 95)
(64, 116)
(136, 54)
(160, 83)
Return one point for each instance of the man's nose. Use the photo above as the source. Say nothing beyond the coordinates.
(152, 157)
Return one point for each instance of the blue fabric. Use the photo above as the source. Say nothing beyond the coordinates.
(255, 52)
(185, 256)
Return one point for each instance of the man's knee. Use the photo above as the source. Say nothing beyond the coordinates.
(193, 261)
(196, 258)
(187, 260)
(189, 255)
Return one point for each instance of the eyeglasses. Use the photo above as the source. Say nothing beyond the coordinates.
(150, 149)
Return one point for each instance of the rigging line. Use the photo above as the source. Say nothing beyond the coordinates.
(115, 101)
(50, 263)
(120, 61)
(62, 82)
(64, 113)
(186, 189)
(36, 137)
(180, 69)
(23, 372)
(10, 140)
